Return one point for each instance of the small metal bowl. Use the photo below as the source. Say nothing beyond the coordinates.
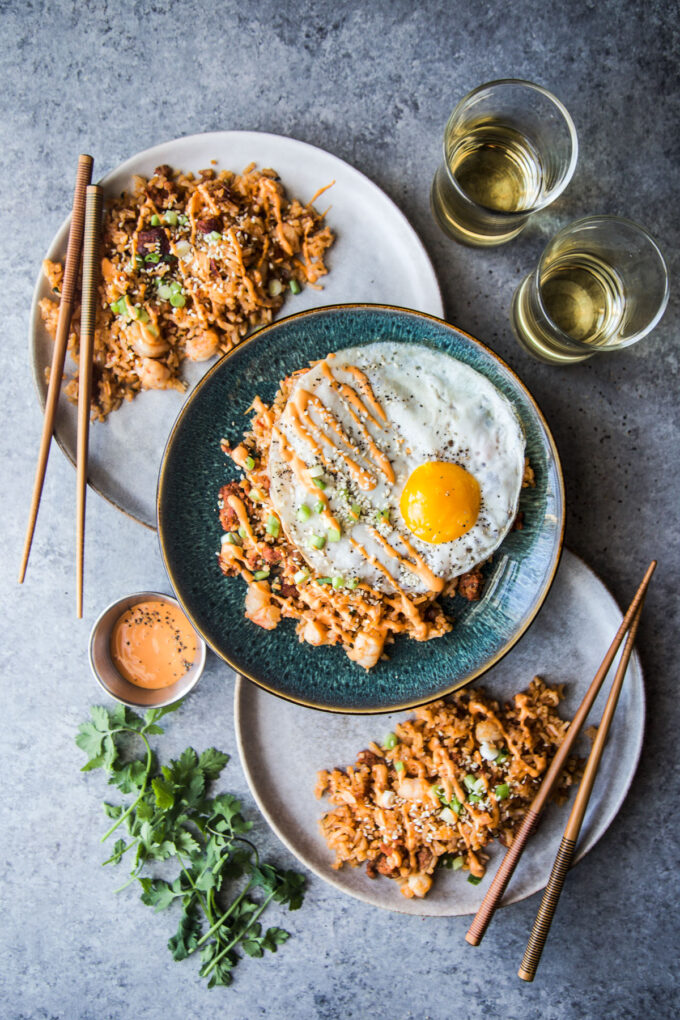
(108, 676)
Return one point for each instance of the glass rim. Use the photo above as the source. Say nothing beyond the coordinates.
(571, 128)
(638, 229)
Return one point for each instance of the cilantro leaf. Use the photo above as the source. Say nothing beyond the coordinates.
(211, 763)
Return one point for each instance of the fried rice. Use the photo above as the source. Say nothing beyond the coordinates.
(361, 619)
(458, 774)
(190, 265)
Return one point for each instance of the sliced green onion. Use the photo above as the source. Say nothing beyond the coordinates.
(334, 535)
(243, 532)
(447, 815)
(384, 515)
(304, 513)
(152, 257)
(176, 287)
(155, 220)
(255, 495)
(178, 300)
(141, 314)
(338, 582)
(317, 541)
(457, 863)
(390, 741)
(473, 880)
(399, 766)
(501, 757)
(318, 506)
(294, 287)
(171, 218)
(249, 463)
(273, 526)
(502, 791)
(164, 291)
(352, 583)
(214, 235)
(182, 248)
(183, 219)
(301, 576)
(438, 791)
(356, 509)
(232, 538)
(315, 471)
(260, 575)
(474, 798)
(275, 287)
(475, 784)
(139, 261)
(455, 804)
(323, 580)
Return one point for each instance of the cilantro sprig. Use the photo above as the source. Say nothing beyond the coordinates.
(222, 887)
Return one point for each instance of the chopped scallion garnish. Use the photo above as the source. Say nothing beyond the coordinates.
(260, 575)
(178, 300)
(457, 863)
(323, 580)
(318, 506)
(243, 532)
(317, 541)
(273, 526)
(399, 766)
(304, 513)
(473, 880)
(171, 218)
(249, 463)
(155, 220)
(338, 582)
(390, 741)
(301, 576)
(352, 583)
(334, 535)
(320, 484)
(294, 287)
(152, 257)
(231, 538)
(502, 791)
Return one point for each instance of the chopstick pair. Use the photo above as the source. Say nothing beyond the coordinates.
(565, 853)
(85, 224)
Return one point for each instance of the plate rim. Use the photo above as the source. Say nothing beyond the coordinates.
(60, 236)
(547, 584)
(582, 850)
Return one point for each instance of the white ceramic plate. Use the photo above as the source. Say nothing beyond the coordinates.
(377, 257)
(282, 747)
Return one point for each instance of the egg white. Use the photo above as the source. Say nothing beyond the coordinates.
(438, 409)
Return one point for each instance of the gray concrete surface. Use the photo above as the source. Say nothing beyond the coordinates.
(374, 84)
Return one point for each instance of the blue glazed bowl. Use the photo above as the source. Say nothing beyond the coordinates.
(194, 469)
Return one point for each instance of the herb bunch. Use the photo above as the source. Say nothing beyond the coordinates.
(222, 885)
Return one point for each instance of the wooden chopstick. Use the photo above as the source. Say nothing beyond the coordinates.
(565, 854)
(500, 881)
(72, 264)
(91, 243)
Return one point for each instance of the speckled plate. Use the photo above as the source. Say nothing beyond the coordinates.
(377, 256)
(283, 746)
(194, 469)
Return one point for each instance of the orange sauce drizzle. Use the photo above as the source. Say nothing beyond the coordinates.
(420, 627)
(305, 426)
(153, 644)
(300, 471)
(366, 391)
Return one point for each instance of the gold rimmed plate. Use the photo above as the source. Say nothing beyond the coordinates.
(194, 469)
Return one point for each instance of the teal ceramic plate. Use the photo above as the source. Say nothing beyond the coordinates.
(194, 468)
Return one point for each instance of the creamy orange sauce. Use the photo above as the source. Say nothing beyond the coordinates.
(153, 644)
(300, 471)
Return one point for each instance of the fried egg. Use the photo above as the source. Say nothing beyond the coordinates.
(395, 465)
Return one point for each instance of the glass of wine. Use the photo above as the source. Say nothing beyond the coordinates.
(601, 284)
(510, 149)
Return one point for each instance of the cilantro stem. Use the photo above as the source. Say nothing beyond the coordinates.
(142, 791)
(237, 938)
(206, 909)
(220, 921)
(118, 857)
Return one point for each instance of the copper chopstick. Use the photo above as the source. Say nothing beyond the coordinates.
(88, 313)
(72, 264)
(565, 854)
(494, 894)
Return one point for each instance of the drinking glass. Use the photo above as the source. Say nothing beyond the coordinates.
(510, 148)
(601, 284)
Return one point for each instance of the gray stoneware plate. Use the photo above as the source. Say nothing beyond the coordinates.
(377, 256)
(282, 746)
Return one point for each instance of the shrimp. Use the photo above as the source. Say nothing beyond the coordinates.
(202, 347)
(416, 885)
(367, 648)
(144, 343)
(259, 607)
(413, 789)
(154, 375)
(314, 633)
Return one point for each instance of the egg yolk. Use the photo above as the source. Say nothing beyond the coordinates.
(440, 502)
